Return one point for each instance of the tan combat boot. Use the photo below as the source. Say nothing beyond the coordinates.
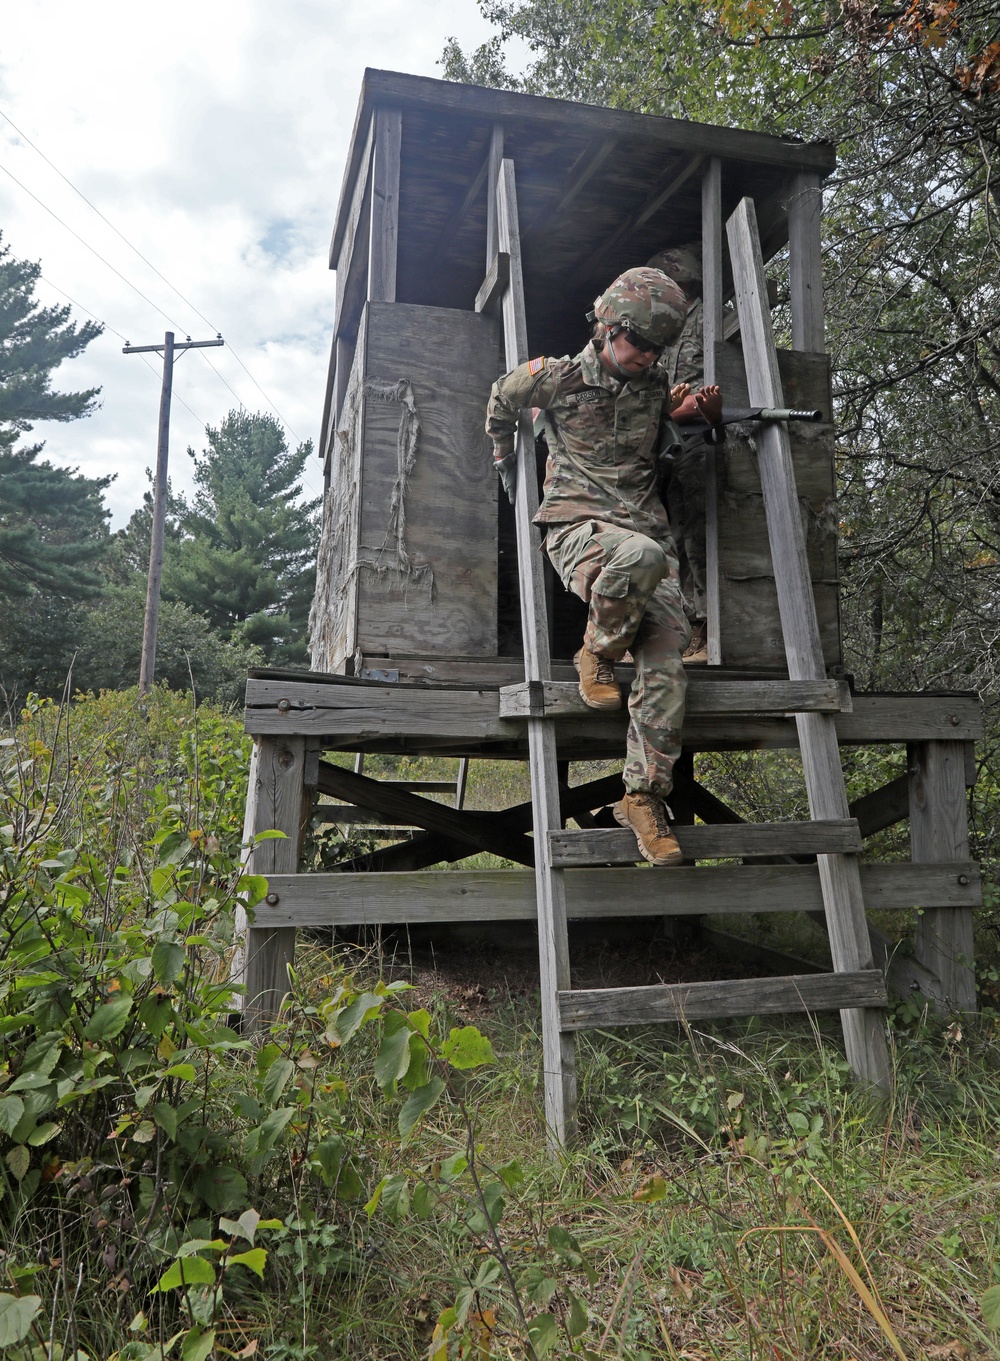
(646, 815)
(696, 652)
(598, 686)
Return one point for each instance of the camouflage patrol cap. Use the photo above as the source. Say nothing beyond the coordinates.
(645, 301)
(683, 263)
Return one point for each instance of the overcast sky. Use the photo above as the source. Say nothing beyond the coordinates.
(212, 134)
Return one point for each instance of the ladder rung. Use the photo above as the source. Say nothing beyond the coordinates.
(727, 997)
(561, 699)
(716, 841)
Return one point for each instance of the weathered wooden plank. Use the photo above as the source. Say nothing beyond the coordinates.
(864, 1031)
(661, 193)
(276, 802)
(580, 174)
(427, 541)
(616, 846)
(497, 279)
(805, 262)
(559, 699)
(939, 830)
(509, 895)
(493, 158)
(476, 829)
(385, 205)
(558, 1054)
(727, 997)
(351, 260)
(711, 266)
(882, 807)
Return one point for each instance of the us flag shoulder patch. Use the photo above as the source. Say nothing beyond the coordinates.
(535, 366)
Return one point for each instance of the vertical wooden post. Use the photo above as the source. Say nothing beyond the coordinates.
(711, 270)
(147, 665)
(939, 830)
(385, 206)
(275, 801)
(805, 262)
(492, 175)
(558, 1053)
(864, 1034)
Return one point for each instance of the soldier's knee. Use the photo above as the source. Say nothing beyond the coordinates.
(643, 557)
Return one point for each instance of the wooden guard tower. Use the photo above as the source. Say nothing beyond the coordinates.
(475, 228)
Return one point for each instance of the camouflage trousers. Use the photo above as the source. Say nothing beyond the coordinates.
(632, 586)
(685, 501)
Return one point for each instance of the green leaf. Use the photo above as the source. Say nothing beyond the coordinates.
(271, 835)
(420, 1020)
(654, 1188)
(156, 1013)
(16, 1315)
(453, 1167)
(576, 1324)
(108, 1020)
(222, 1188)
(185, 1271)
(11, 1110)
(198, 1343)
(392, 1059)
(467, 1047)
(43, 1133)
(168, 961)
(991, 1307)
(277, 1078)
(266, 1135)
(166, 1117)
(185, 1071)
(798, 1122)
(417, 1104)
(352, 1017)
(18, 1160)
(544, 1333)
(244, 1227)
(253, 1259)
(511, 1174)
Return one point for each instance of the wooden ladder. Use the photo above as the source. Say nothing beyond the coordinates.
(856, 987)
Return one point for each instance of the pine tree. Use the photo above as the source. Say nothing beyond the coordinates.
(52, 520)
(247, 556)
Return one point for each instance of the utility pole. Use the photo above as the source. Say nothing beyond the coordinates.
(169, 349)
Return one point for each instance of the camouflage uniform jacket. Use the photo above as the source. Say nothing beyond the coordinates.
(684, 360)
(604, 439)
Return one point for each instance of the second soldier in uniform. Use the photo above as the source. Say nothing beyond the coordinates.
(607, 533)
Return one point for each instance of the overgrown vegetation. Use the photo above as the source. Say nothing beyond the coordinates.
(369, 1177)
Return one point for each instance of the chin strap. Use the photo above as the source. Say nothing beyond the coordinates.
(614, 359)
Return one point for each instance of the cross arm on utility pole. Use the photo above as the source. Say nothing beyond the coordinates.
(188, 344)
(168, 349)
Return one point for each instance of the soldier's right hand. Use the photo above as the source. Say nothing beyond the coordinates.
(507, 468)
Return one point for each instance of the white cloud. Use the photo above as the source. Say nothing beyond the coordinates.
(213, 135)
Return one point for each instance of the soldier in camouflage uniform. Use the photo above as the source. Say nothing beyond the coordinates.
(608, 536)
(684, 362)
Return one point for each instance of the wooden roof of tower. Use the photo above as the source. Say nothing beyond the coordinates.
(599, 190)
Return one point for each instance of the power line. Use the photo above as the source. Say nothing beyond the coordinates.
(107, 326)
(89, 247)
(146, 261)
(101, 215)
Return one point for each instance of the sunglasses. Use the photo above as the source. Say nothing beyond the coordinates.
(640, 343)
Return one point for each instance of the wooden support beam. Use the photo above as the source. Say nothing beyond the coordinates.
(431, 848)
(711, 271)
(352, 261)
(276, 801)
(583, 170)
(606, 846)
(882, 807)
(558, 1055)
(663, 191)
(805, 262)
(864, 1029)
(474, 829)
(728, 997)
(939, 830)
(385, 206)
(496, 281)
(494, 156)
(561, 699)
(340, 898)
